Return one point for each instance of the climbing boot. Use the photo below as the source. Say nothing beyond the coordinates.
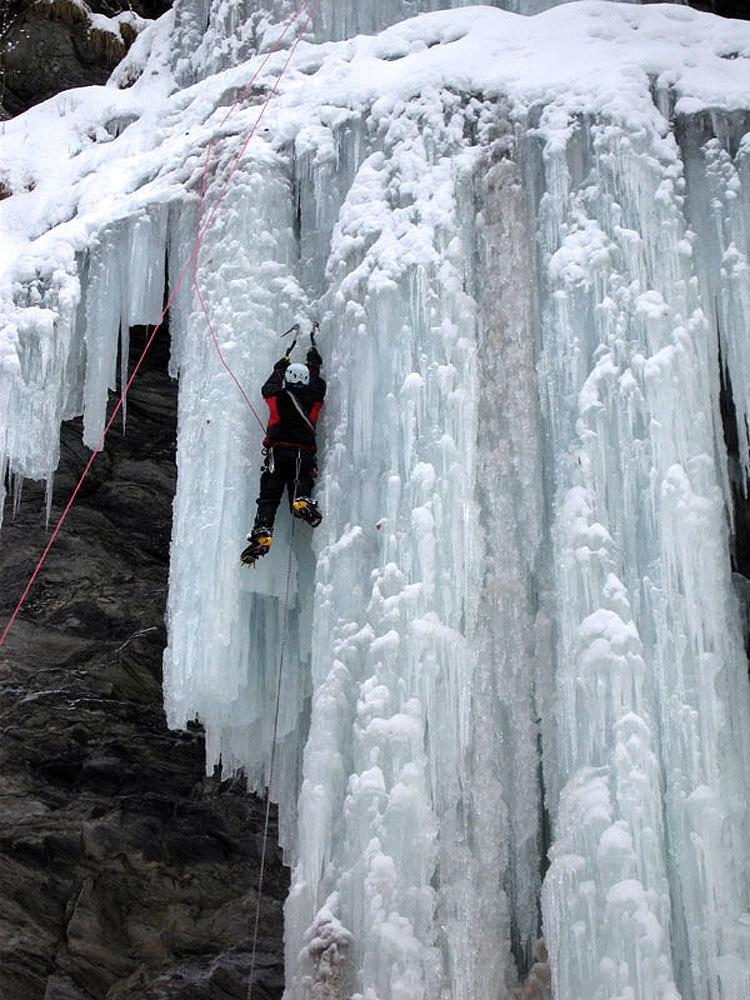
(260, 542)
(307, 509)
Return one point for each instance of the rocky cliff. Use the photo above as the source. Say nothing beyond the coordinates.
(51, 45)
(124, 872)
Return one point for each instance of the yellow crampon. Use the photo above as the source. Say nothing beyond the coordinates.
(260, 543)
(307, 509)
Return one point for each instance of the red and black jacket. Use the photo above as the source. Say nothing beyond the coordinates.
(286, 425)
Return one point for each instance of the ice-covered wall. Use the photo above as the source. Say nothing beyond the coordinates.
(215, 34)
(648, 651)
(514, 640)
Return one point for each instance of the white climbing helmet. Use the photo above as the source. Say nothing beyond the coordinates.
(297, 374)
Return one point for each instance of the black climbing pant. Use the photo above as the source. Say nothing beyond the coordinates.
(280, 471)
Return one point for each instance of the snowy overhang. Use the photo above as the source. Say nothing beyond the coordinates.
(91, 156)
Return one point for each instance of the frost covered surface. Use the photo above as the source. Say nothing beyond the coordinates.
(526, 241)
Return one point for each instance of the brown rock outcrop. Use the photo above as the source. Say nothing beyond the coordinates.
(51, 45)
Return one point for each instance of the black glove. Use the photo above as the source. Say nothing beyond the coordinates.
(313, 358)
(282, 364)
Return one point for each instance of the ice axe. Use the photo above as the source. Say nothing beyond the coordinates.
(296, 330)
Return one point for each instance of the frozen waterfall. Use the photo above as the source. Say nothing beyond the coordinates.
(514, 700)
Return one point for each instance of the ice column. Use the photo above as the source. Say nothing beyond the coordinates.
(38, 338)
(223, 653)
(505, 827)
(395, 585)
(62, 339)
(123, 286)
(717, 153)
(645, 892)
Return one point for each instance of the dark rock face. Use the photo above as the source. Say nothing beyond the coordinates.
(49, 46)
(724, 8)
(124, 872)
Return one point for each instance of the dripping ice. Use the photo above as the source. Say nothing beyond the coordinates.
(515, 679)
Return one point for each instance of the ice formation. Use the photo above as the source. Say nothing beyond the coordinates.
(515, 638)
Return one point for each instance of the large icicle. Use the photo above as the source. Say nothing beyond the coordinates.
(36, 353)
(718, 172)
(391, 661)
(650, 686)
(223, 652)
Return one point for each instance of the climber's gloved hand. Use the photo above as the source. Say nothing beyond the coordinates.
(282, 364)
(313, 358)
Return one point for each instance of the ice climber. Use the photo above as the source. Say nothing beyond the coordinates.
(294, 393)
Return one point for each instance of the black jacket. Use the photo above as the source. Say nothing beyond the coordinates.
(286, 424)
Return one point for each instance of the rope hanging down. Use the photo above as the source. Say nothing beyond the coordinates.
(282, 647)
(173, 293)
